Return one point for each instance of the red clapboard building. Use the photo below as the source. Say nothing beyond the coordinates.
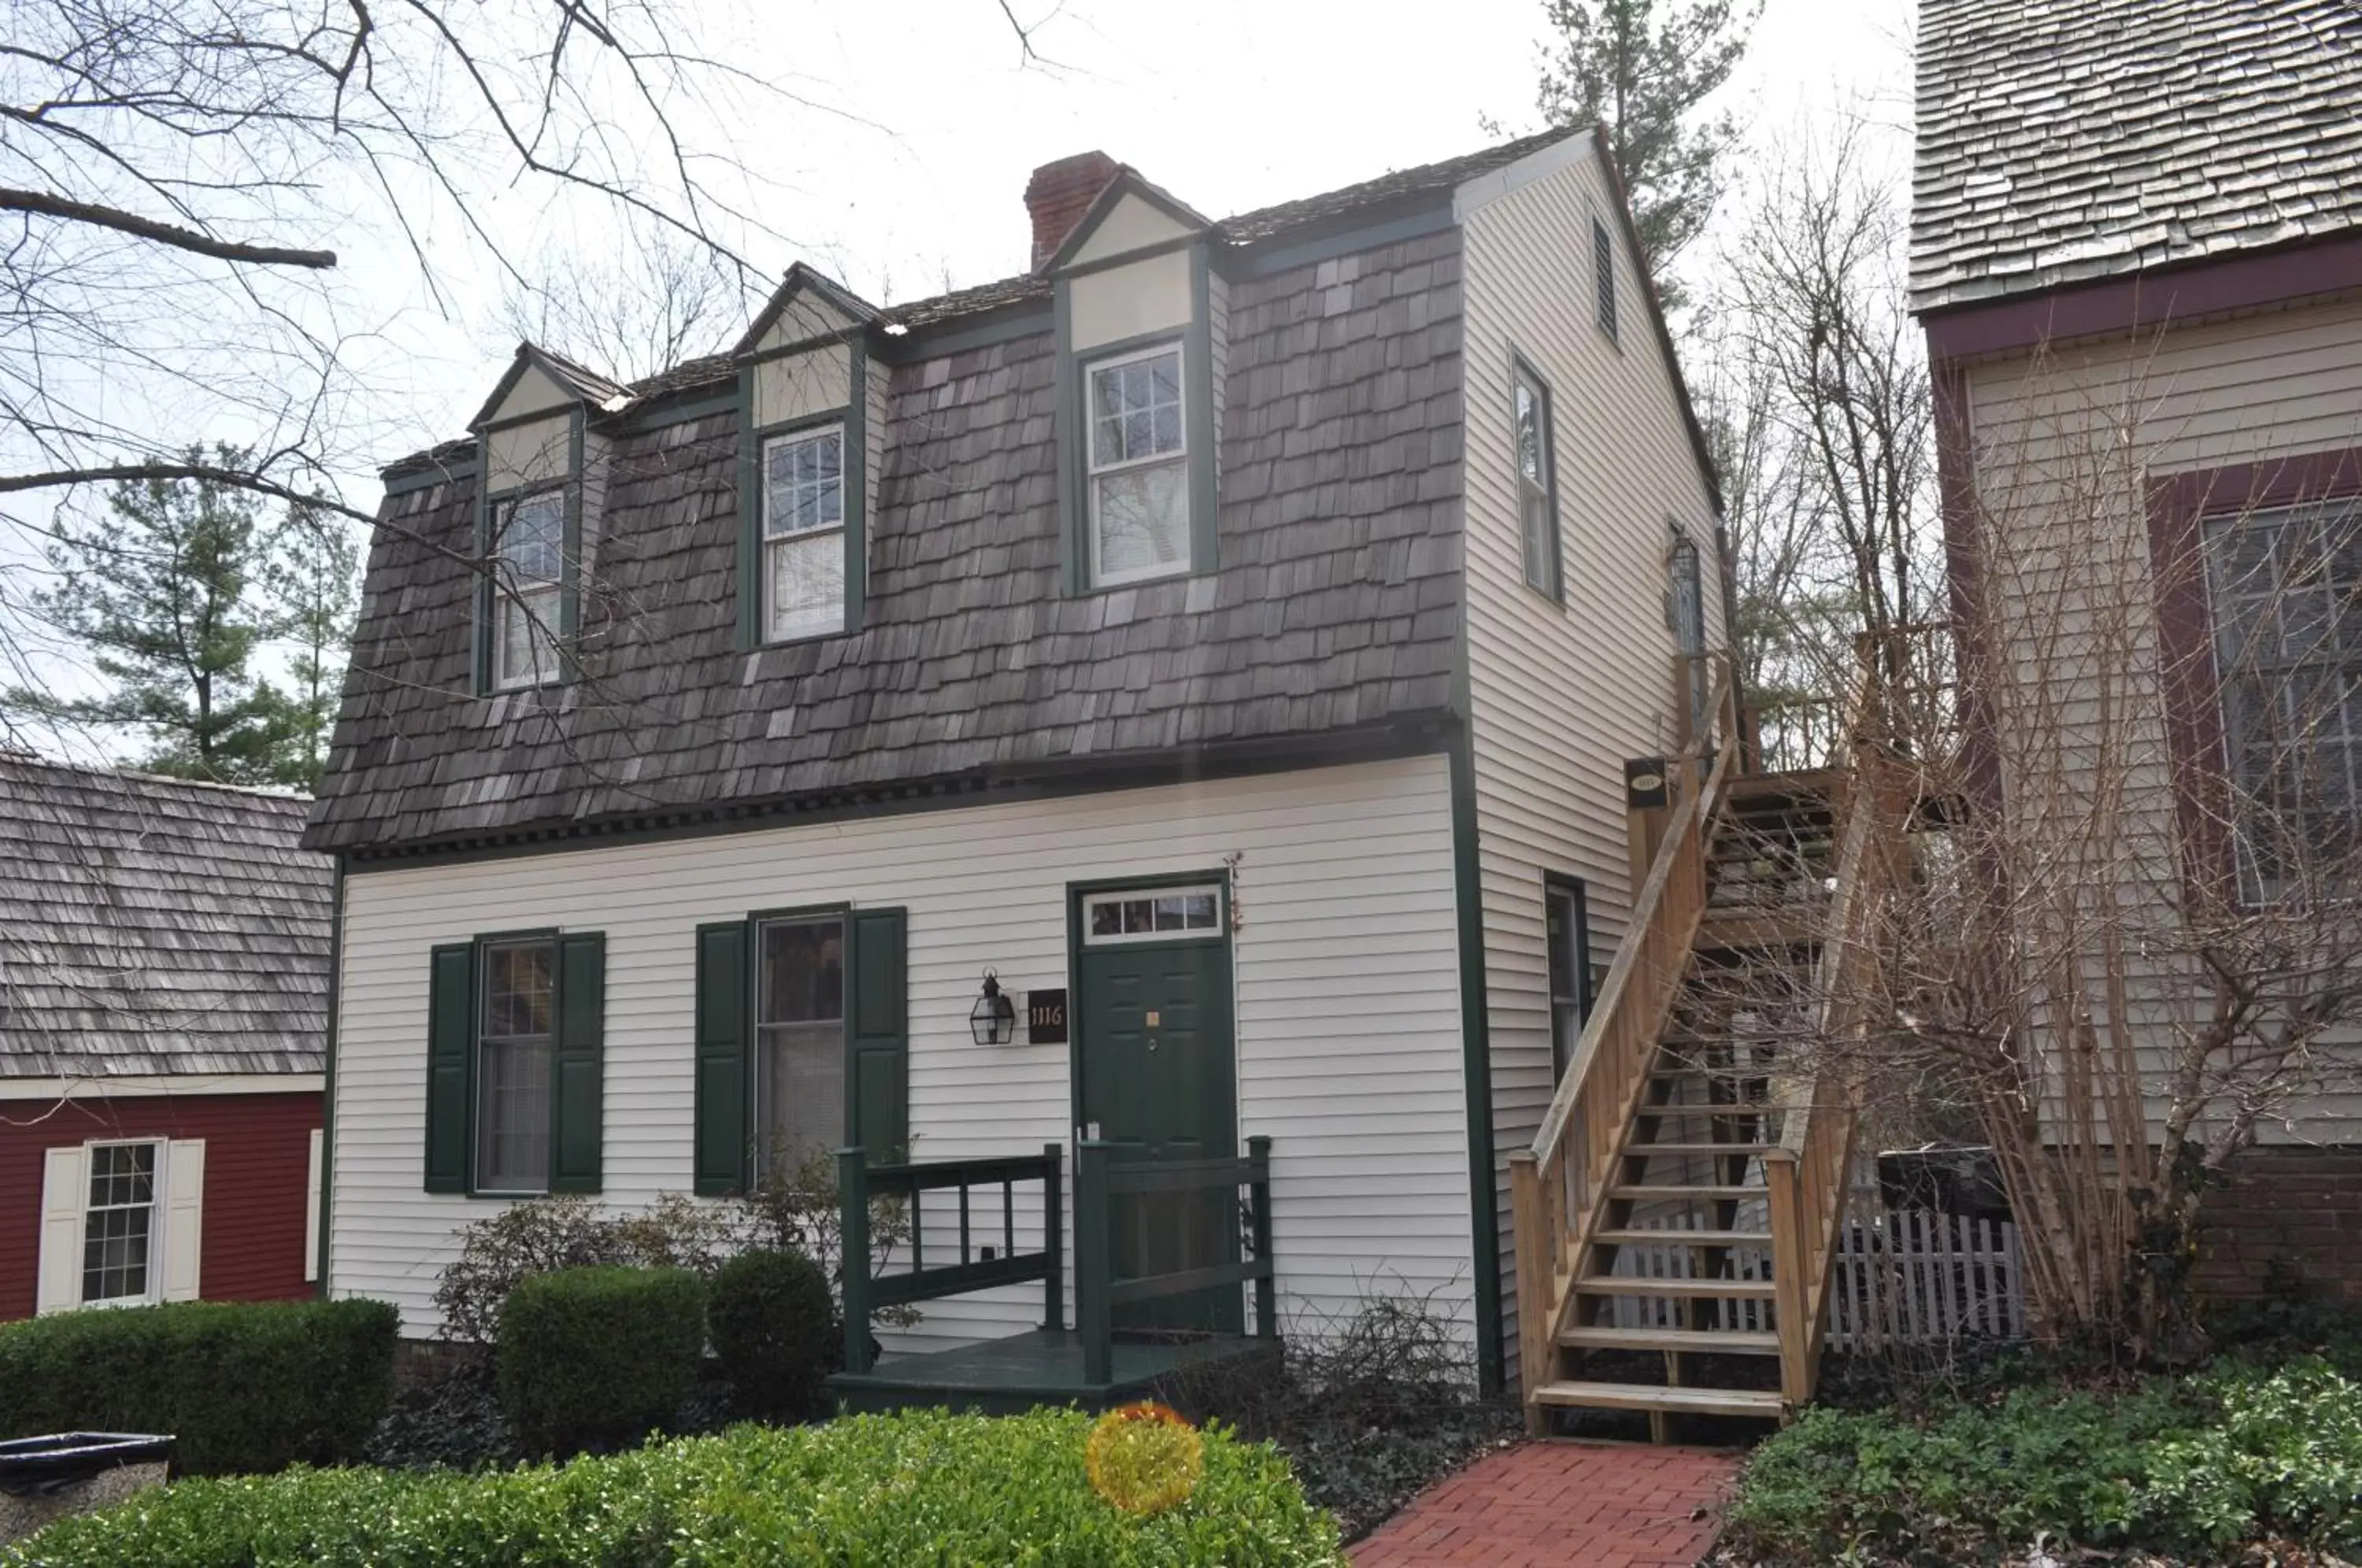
(164, 959)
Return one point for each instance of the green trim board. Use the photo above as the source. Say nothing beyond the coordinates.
(1468, 899)
(329, 1071)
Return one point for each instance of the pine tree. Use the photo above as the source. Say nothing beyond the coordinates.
(310, 573)
(1643, 68)
(157, 591)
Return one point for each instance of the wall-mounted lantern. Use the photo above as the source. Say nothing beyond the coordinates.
(993, 1019)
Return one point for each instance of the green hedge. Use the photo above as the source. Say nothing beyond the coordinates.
(597, 1357)
(2241, 1452)
(773, 1328)
(244, 1386)
(918, 1487)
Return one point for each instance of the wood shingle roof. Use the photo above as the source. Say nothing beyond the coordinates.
(156, 926)
(2067, 140)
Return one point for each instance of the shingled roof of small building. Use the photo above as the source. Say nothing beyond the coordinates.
(157, 926)
(2065, 140)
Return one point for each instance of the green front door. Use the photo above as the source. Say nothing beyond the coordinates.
(1155, 1061)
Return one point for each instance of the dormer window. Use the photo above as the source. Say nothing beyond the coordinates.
(528, 589)
(803, 534)
(1139, 467)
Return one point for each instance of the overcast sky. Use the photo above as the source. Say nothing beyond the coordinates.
(907, 174)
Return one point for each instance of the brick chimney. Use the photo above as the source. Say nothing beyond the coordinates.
(1060, 194)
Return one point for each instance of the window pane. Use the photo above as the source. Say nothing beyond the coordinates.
(806, 584)
(533, 537)
(1530, 435)
(1201, 910)
(1107, 920)
(1534, 510)
(1139, 915)
(1143, 517)
(801, 1007)
(526, 636)
(1136, 410)
(520, 1013)
(804, 483)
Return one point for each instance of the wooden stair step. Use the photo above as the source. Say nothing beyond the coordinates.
(1718, 1342)
(1686, 1290)
(1735, 1150)
(1641, 1190)
(1642, 1396)
(1683, 1239)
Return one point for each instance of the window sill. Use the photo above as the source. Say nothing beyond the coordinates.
(798, 638)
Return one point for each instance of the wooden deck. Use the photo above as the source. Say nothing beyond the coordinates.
(1045, 1367)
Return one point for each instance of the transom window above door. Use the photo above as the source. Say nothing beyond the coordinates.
(1139, 467)
(1152, 914)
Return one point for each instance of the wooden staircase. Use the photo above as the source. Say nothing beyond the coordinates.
(1677, 1212)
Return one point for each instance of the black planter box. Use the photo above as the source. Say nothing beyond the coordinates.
(34, 1466)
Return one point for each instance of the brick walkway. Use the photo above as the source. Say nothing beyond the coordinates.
(1562, 1505)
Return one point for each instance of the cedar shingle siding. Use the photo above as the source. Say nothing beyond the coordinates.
(1334, 613)
(2090, 138)
(149, 925)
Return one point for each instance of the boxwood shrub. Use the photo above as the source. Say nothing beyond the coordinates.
(773, 1328)
(920, 1487)
(244, 1386)
(596, 1357)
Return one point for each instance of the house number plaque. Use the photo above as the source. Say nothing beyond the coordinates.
(1045, 1017)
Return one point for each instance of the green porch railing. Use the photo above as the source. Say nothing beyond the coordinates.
(1097, 1292)
(858, 1182)
(1097, 1179)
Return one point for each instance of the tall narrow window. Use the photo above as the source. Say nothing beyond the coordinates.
(1569, 931)
(799, 1023)
(1139, 478)
(512, 1113)
(1536, 515)
(1603, 268)
(529, 573)
(803, 535)
(1687, 590)
(120, 1229)
(2285, 587)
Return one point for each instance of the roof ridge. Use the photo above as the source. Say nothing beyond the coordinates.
(273, 792)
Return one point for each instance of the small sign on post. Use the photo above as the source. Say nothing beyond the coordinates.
(1045, 1017)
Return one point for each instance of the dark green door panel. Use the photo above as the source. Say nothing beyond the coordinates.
(1158, 1067)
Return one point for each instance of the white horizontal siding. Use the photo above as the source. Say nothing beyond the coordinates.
(1347, 998)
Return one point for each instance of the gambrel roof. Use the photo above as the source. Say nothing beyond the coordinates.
(2065, 140)
(153, 926)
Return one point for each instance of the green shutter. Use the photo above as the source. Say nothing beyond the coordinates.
(721, 1163)
(450, 1055)
(577, 1067)
(878, 1107)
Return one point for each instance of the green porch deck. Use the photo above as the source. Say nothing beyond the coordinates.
(1006, 1377)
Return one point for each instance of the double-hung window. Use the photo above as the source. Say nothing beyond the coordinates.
(120, 1225)
(800, 1031)
(529, 553)
(519, 1008)
(1537, 512)
(1139, 469)
(2285, 587)
(803, 534)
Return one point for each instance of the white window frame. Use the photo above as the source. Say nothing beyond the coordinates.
(542, 601)
(1095, 470)
(1132, 895)
(478, 1164)
(159, 1194)
(814, 624)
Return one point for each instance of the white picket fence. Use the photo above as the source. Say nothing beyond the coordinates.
(1910, 1277)
(1899, 1279)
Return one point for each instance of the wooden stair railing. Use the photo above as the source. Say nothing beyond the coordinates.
(1806, 1170)
(1568, 1168)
